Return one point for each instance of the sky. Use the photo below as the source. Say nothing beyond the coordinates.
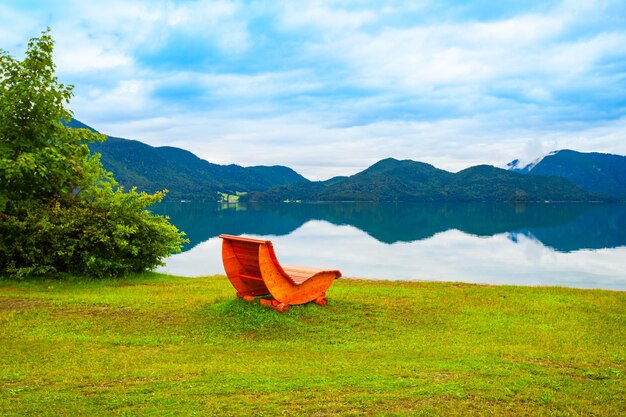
(330, 87)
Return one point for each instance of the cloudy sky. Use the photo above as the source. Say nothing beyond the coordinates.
(330, 87)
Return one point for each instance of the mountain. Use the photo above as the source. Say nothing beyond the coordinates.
(77, 124)
(596, 172)
(562, 176)
(186, 176)
(394, 180)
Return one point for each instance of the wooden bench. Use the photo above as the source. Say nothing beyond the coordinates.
(252, 268)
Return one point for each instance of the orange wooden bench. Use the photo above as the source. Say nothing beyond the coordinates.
(252, 268)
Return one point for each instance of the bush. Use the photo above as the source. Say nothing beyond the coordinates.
(109, 236)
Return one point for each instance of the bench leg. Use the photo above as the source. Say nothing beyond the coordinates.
(276, 305)
(321, 300)
(280, 307)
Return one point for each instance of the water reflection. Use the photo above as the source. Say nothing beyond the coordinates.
(576, 245)
(563, 227)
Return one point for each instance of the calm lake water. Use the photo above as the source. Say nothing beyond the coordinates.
(573, 245)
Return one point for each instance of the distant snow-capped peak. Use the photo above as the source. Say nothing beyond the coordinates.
(518, 165)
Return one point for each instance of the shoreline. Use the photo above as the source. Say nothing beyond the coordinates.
(417, 280)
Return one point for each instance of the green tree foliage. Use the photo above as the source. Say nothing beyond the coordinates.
(60, 211)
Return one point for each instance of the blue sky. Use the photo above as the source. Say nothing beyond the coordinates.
(330, 87)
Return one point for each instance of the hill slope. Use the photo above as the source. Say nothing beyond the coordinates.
(393, 180)
(596, 172)
(186, 176)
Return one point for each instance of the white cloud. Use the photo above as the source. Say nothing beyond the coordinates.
(15, 29)
(128, 100)
(216, 20)
(75, 55)
(426, 57)
(266, 85)
(325, 17)
(331, 87)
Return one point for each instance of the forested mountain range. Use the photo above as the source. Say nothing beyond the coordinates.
(597, 172)
(394, 180)
(562, 176)
(186, 176)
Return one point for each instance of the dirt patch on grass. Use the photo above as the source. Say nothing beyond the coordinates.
(19, 303)
(105, 311)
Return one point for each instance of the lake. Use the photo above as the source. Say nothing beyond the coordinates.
(572, 245)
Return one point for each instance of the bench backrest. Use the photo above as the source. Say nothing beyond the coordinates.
(247, 252)
(248, 255)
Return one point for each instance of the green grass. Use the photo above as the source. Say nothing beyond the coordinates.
(161, 345)
(231, 198)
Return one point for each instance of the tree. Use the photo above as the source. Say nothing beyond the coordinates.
(60, 211)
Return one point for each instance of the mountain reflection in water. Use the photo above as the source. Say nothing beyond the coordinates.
(563, 227)
(536, 244)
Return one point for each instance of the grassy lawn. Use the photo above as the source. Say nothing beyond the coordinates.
(161, 345)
